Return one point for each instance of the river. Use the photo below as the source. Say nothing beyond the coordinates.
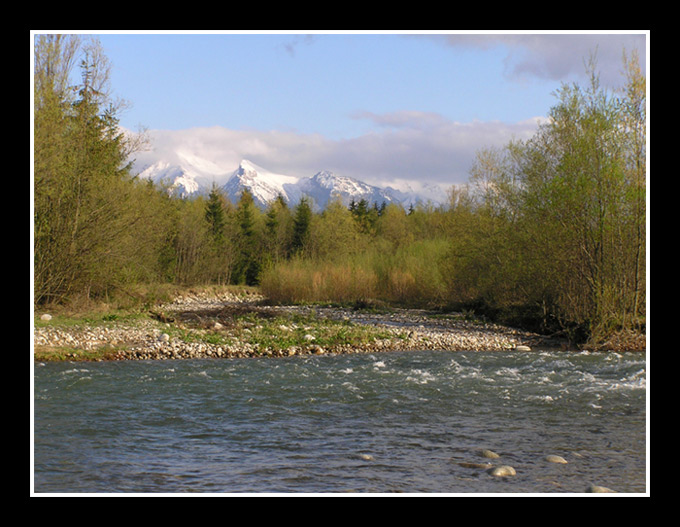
(363, 423)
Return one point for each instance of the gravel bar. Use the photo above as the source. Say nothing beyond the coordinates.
(190, 318)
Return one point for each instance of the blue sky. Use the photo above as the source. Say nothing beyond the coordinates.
(380, 107)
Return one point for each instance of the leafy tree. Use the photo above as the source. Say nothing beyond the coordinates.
(84, 195)
(334, 235)
(278, 229)
(559, 218)
(393, 225)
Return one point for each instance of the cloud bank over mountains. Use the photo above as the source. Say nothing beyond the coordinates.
(410, 148)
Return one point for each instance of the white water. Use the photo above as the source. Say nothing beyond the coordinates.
(390, 422)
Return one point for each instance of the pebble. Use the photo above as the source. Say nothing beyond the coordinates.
(485, 466)
(490, 454)
(556, 459)
(599, 489)
(503, 470)
(413, 329)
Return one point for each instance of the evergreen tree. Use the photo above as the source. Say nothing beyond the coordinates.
(248, 263)
(214, 214)
(301, 226)
(365, 216)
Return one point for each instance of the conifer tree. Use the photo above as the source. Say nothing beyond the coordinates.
(301, 226)
(248, 263)
(214, 214)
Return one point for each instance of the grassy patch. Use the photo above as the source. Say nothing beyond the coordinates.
(231, 324)
(275, 330)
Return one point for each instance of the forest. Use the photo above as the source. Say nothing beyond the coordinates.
(549, 234)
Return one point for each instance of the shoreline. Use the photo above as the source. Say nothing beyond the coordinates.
(226, 325)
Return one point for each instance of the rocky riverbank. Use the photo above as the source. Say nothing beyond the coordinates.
(226, 325)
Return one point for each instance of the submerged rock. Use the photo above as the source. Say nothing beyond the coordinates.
(556, 459)
(599, 489)
(485, 466)
(490, 454)
(501, 471)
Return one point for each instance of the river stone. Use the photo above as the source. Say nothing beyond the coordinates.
(522, 348)
(490, 454)
(556, 459)
(465, 464)
(46, 316)
(503, 470)
(598, 489)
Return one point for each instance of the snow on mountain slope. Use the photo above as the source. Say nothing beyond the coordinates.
(325, 186)
(187, 174)
(264, 185)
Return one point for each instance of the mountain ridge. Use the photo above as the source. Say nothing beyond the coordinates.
(189, 176)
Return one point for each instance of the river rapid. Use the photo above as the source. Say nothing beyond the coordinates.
(408, 422)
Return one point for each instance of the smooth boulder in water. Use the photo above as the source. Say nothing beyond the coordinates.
(599, 490)
(556, 459)
(503, 470)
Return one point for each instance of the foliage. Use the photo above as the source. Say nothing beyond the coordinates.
(549, 233)
(94, 224)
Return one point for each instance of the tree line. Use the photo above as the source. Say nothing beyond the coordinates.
(548, 233)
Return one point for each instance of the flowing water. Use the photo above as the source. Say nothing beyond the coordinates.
(369, 423)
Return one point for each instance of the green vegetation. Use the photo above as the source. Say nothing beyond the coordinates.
(548, 234)
(264, 330)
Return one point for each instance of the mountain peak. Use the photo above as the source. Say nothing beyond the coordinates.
(194, 176)
(249, 166)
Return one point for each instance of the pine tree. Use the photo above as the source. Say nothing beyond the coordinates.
(214, 214)
(248, 264)
(301, 226)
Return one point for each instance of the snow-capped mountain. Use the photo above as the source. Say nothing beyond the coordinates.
(264, 185)
(189, 175)
(325, 186)
(184, 174)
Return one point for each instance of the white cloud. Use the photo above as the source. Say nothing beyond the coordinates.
(410, 146)
(558, 57)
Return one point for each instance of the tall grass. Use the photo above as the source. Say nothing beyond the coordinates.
(302, 280)
(408, 275)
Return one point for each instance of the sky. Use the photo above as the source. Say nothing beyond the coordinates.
(382, 107)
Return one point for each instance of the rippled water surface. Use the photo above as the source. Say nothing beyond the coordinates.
(390, 422)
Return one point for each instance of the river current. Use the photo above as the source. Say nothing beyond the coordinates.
(363, 423)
